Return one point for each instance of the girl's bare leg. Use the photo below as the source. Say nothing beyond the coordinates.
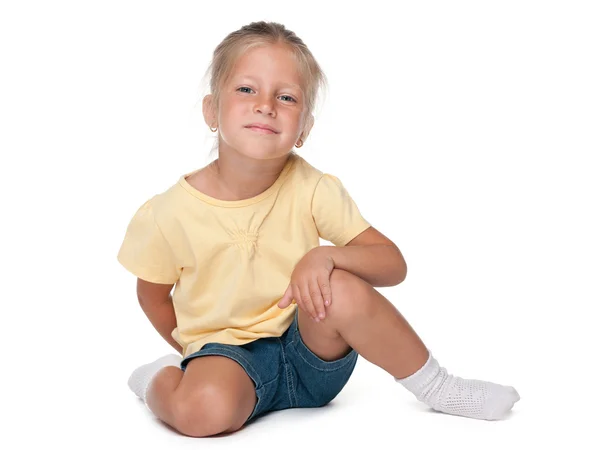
(361, 318)
(214, 395)
(160, 397)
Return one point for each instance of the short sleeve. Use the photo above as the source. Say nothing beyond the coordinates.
(145, 251)
(336, 216)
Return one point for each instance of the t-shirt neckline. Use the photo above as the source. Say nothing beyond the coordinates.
(237, 203)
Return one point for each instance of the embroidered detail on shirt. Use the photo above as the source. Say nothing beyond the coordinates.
(245, 240)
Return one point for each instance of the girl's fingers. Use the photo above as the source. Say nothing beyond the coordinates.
(317, 298)
(325, 290)
(286, 300)
(298, 297)
(307, 300)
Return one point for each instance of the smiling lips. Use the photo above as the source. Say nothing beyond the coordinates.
(261, 128)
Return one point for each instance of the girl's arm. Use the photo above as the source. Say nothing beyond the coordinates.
(157, 303)
(162, 317)
(370, 256)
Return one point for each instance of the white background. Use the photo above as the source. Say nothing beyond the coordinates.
(467, 132)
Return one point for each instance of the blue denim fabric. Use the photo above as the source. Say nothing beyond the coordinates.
(286, 374)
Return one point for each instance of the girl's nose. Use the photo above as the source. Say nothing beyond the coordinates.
(264, 106)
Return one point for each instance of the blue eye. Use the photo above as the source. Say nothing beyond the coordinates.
(289, 98)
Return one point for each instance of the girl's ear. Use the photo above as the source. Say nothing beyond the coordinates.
(310, 121)
(209, 111)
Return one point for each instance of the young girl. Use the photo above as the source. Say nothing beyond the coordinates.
(264, 317)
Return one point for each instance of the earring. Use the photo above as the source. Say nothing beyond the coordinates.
(212, 129)
(301, 144)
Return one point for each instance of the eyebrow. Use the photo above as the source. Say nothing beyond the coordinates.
(249, 77)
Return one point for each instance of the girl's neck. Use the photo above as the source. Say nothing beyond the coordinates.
(238, 177)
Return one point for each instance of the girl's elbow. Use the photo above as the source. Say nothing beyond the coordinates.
(402, 269)
(401, 277)
(397, 276)
(398, 273)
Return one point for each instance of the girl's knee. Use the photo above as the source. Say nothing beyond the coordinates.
(350, 293)
(205, 413)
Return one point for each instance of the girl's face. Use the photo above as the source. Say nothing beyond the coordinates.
(264, 89)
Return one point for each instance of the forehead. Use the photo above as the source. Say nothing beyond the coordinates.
(269, 64)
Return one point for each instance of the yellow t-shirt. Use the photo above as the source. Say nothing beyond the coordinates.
(231, 261)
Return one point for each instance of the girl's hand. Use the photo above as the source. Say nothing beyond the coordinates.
(309, 285)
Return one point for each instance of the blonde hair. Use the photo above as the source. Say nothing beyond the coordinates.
(256, 34)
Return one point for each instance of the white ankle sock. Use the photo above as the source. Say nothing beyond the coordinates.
(432, 385)
(140, 378)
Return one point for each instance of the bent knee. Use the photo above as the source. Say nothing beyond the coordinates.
(350, 293)
(206, 413)
(344, 283)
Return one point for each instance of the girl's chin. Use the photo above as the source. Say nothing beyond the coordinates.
(264, 152)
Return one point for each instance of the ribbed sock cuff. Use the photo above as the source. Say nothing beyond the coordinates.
(422, 377)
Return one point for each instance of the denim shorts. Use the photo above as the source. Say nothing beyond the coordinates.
(286, 374)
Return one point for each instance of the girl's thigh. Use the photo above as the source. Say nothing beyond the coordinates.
(316, 382)
(257, 363)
